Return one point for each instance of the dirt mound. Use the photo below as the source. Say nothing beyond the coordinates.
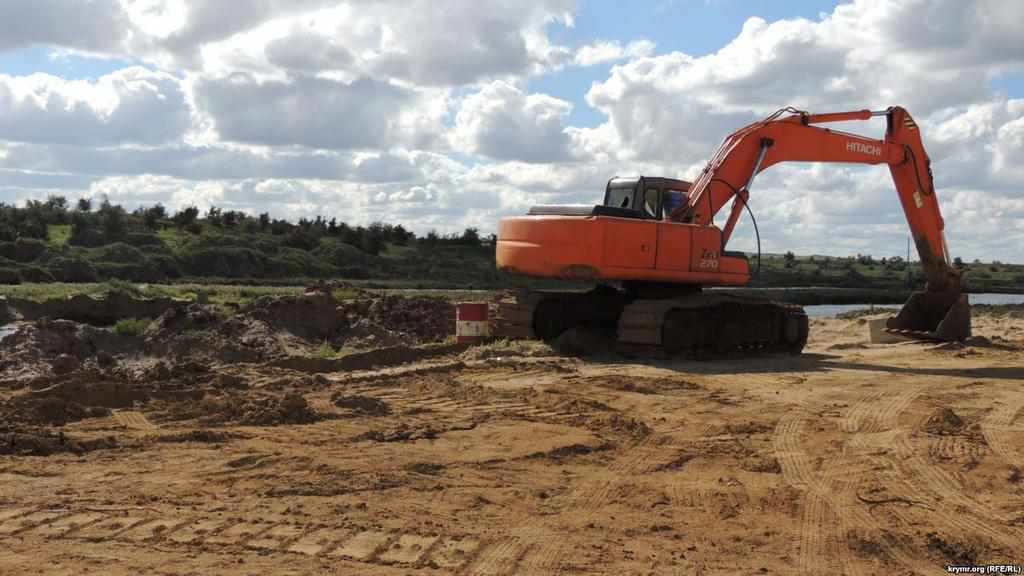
(945, 422)
(362, 405)
(83, 394)
(56, 411)
(51, 338)
(365, 322)
(313, 315)
(6, 314)
(952, 551)
(33, 442)
(200, 436)
(202, 332)
(417, 319)
(102, 311)
(292, 408)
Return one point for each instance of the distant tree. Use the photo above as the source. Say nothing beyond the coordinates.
(790, 259)
(84, 204)
(113, 221)
(470, 237)
(184, 218)
(958, 262)
(264, 221)
(279, 227)
(371, 243)
(214, 216)
(152, 216)
(303, 238)
(231, 218)
(56, 210)
(401, 236)
(431, 238)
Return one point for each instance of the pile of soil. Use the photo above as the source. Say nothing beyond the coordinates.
(204, 333)
(944, 422)
(362, 405)
(101, 311)
(47, 339)
(37, 442)
(313, 315)
(290, 408)
(417, 319)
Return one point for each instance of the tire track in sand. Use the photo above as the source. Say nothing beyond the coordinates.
(534, 548)
(995, 426)
(951, 504)
(797, 471)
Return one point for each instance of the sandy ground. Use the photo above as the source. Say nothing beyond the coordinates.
(850, 459)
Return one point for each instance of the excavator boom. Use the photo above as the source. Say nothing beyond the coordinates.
(941, 310)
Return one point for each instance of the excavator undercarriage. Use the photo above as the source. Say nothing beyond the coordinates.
(689, 322)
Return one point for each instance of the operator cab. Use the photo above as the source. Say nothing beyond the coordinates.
(639, 197)
(642, 197)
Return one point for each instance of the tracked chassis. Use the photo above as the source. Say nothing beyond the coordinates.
(683, 322)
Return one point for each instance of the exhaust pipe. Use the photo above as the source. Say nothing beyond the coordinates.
(942, 316)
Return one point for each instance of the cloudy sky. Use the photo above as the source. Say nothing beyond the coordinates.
(443, 114)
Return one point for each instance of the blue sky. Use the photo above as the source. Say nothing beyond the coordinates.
(49, 60)
(696, 27)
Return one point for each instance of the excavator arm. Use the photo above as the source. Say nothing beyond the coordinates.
(942, 310)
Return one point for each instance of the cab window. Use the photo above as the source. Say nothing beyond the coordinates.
(671, 200)
(620, 197)
(651, 202)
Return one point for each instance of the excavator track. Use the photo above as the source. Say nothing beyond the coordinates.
(695, 322)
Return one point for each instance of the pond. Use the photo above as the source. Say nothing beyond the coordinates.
(828, 310)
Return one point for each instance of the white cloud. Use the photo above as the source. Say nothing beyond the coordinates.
(610, 51)
(117, 108)
(319, 113)
(95, 26)
(502, 122)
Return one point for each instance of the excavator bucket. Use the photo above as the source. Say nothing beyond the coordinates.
(935, 316)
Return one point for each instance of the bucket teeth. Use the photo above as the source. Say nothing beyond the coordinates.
(935, 316)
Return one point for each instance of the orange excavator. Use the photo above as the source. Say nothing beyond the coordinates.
(652, 246)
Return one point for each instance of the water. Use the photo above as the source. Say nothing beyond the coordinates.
(826, 310)
(7, 330)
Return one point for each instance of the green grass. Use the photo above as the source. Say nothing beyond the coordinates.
(220, 294)
(131, 326)
(509, 348)
(172, 237)
(395, 252)
(326, 351)
(339, 294)
(59, 234)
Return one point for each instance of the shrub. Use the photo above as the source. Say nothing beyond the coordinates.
(9, 276)
(35, 274)
(225, 262)
(297, 263)
(131, 326)
(72, 270)
(166, 265)
(140, 239)
(122, 287)
(341, 254)
(24, 249)
(118, 252)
